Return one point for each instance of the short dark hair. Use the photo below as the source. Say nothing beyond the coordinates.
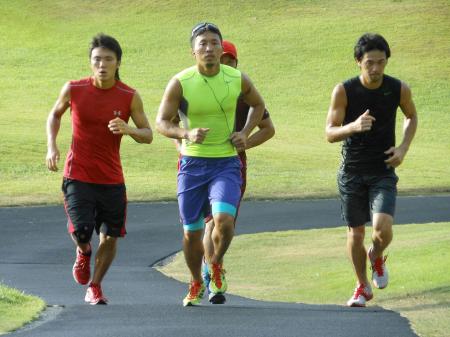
(105, 41)
(202, 27)
(369, 42)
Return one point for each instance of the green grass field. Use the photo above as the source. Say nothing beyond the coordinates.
(311, 266)
(17, 308)
(295, 52)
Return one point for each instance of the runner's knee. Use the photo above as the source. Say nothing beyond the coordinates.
(83, 234)
(108, 240)
(223, 220)
(356, 234)
(192, 236)
(382, 222)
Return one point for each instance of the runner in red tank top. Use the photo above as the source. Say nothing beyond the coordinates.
(94, 154)
(93, 185)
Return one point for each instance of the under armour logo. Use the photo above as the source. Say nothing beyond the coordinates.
(117, 113)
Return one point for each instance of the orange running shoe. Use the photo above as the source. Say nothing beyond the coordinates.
(195, 294)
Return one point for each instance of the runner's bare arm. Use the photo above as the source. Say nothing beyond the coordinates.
(53, 125)
(397, 154)
(265, 131)
(177, 142)
(166, 122)
(142, 133)
(252, 97)
(334, 129)
(168, 110)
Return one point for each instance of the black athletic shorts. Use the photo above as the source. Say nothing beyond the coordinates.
(363, 194)
(94, 206)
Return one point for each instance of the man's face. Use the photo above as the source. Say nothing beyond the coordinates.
(228, 60)
(372, 65)
(207, 49)
(104, 64)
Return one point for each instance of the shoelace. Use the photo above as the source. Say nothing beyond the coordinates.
(360, 291)
(194, 289)
(82, 261)
(217, 274)
(378, 265)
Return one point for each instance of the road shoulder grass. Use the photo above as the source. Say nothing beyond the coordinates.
(311, 266)
(17, 308)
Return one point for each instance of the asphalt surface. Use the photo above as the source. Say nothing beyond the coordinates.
(36, 255)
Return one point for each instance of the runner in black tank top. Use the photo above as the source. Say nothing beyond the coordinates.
(362, 114)
(364, 152)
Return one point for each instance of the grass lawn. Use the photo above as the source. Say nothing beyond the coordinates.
(295, 52)
(17, 308)
(311, 266)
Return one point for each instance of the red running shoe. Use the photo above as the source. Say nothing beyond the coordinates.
(361, 295)
(94, 295)
(81, 270)
(380, 275)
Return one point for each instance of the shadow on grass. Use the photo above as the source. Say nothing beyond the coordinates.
(429, 295)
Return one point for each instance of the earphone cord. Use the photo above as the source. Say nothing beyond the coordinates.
(220, 103)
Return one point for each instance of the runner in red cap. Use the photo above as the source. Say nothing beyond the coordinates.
(265, 131)
(229, 51)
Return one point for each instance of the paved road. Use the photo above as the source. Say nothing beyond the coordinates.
(36, 255)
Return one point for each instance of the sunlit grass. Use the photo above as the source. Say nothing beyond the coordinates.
(17, 308)
(311, 266)
(294, 51)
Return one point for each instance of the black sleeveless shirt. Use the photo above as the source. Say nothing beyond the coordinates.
(364, 152)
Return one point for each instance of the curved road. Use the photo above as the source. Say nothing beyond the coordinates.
(36, 256)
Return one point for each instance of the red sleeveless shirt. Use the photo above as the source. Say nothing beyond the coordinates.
(94, 155)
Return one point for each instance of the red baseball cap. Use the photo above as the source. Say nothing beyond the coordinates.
(229, 48)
